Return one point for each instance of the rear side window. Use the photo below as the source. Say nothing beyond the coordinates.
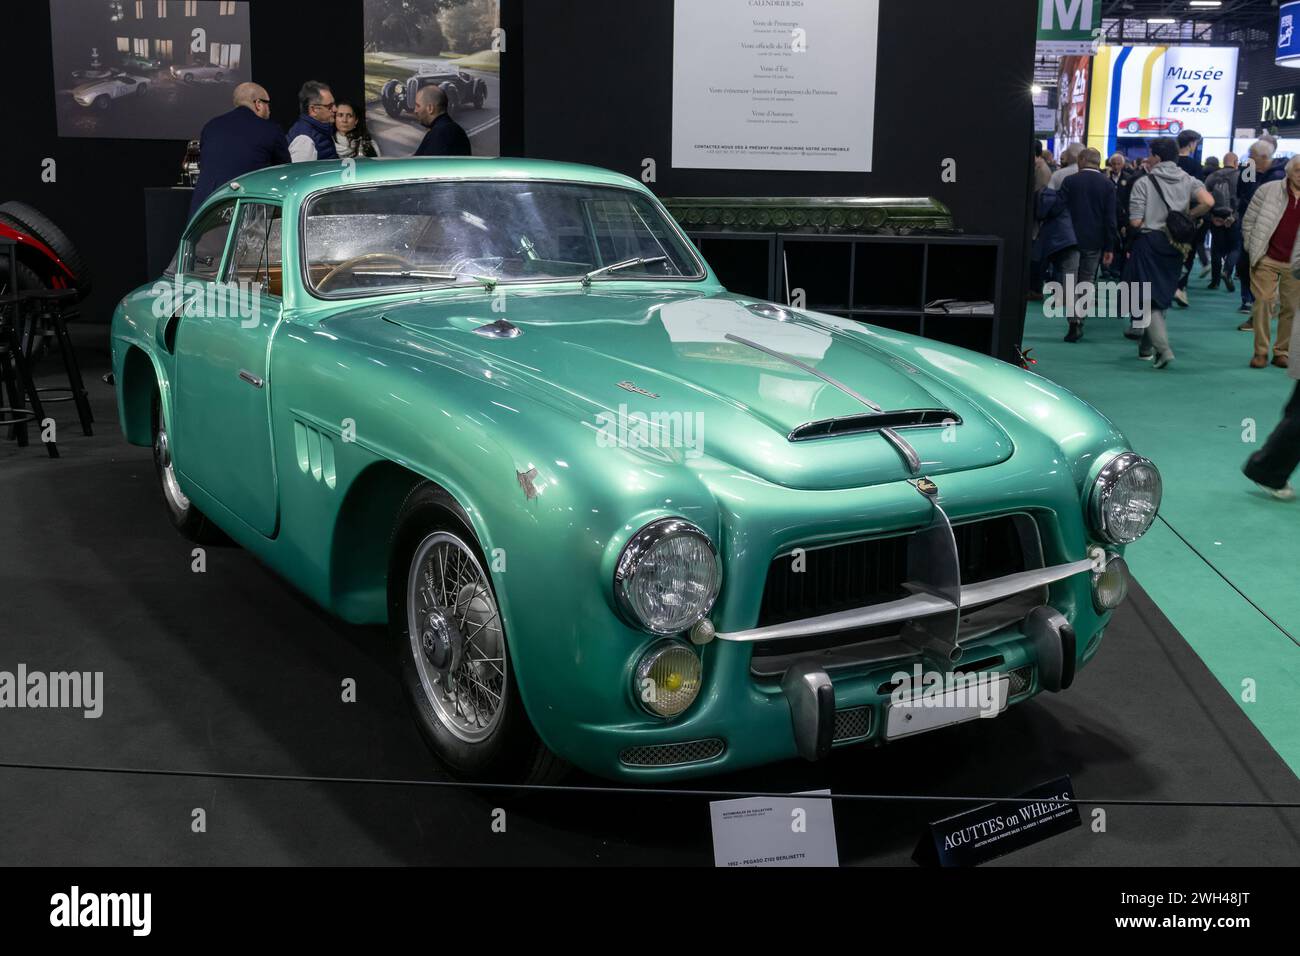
(205, 242)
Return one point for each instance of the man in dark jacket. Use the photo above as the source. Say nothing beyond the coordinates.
(1056, 247)
(1090, 198)
(238, 142)
(312, 135)
(445, 136)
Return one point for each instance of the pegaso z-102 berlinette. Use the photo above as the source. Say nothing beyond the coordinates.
(612, 514)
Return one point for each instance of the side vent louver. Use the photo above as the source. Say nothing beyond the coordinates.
(315, 453)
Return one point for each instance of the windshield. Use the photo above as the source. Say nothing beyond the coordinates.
(426, 234)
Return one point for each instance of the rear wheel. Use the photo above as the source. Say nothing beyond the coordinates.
(451, 641)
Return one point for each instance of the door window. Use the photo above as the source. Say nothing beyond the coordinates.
(206, 241)
(255, 258)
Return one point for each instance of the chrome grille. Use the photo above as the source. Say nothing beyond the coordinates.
(671, 755)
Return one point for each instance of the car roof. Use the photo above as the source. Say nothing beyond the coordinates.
(294, 182)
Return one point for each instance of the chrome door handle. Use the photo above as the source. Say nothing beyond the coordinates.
(250, 378)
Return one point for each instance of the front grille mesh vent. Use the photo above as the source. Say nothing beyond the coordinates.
(671, 755)
(852, 723)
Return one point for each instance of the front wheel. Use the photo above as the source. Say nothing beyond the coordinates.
(1175, 128)
(451, 642)
(185, 517)
(101, 102)
(1134, 127)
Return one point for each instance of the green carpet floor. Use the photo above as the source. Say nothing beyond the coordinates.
(1223, 561)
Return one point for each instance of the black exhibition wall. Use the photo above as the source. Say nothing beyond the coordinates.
(97, 195)
(582, 80)
(953, 81)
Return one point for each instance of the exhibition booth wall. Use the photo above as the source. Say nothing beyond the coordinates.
(959, 93)
(96, 186)
(612, 106)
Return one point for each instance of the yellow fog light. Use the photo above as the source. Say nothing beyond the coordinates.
(668, 679)
(1110, 584)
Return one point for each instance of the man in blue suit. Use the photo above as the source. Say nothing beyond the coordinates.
(1090, 197)
(238, 142)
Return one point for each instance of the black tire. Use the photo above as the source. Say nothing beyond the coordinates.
(219, 77)
(480, 96)
(512, 753)
(141, 89)
(40, 226)
(185, 517)
(453, 98)
(103, 102)
(189, 77)
(391, 97)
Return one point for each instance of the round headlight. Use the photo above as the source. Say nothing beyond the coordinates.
(667, 576)
(668, 678)
(1125, 499)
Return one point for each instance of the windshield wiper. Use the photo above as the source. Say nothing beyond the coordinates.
(616, 266)
(488, 282)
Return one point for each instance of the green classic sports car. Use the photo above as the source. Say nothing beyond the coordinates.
(611, 514)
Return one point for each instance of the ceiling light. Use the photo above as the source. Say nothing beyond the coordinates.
(1205, 3)
(1161, 20)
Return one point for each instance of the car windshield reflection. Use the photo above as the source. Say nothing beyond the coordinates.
(406, 236)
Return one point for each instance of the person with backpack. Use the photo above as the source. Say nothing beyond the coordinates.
(1224, 230)
(1269, 232)
(1159, 213)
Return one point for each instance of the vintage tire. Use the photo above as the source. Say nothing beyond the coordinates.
(1133, 127)
(184, 515)
(142, 89)
(480, 96)
(390, 98)
(453, 98)
(484, 741)
(219, 77)
(40, 226)
(102, 102)
(188, 77)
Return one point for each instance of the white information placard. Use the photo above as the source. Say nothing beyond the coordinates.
(774, 84)
(775, 831)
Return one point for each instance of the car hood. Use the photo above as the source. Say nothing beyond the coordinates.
(683, 376)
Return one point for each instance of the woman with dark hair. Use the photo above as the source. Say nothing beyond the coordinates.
(351, 138)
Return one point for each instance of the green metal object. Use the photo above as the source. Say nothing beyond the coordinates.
(826, 216)
(301, 432)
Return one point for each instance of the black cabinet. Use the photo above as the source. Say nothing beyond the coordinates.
(921, 284)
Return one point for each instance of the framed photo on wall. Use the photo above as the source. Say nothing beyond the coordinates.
(146, 69)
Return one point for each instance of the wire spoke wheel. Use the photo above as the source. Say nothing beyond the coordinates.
(456, 636)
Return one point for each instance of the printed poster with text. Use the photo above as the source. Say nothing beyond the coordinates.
(775, 84)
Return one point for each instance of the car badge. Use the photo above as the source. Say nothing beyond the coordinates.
(636, 388)
(925, 486)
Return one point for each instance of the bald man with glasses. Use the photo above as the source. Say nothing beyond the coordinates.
(238, 142)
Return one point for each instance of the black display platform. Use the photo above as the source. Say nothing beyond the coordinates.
(232, 671)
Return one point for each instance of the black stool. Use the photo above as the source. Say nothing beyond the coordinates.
(46, 316)
(16, 379)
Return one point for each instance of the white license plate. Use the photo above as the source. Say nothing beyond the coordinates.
(919, 714)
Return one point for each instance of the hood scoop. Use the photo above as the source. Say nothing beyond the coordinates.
(874, 422)
(500, 329)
